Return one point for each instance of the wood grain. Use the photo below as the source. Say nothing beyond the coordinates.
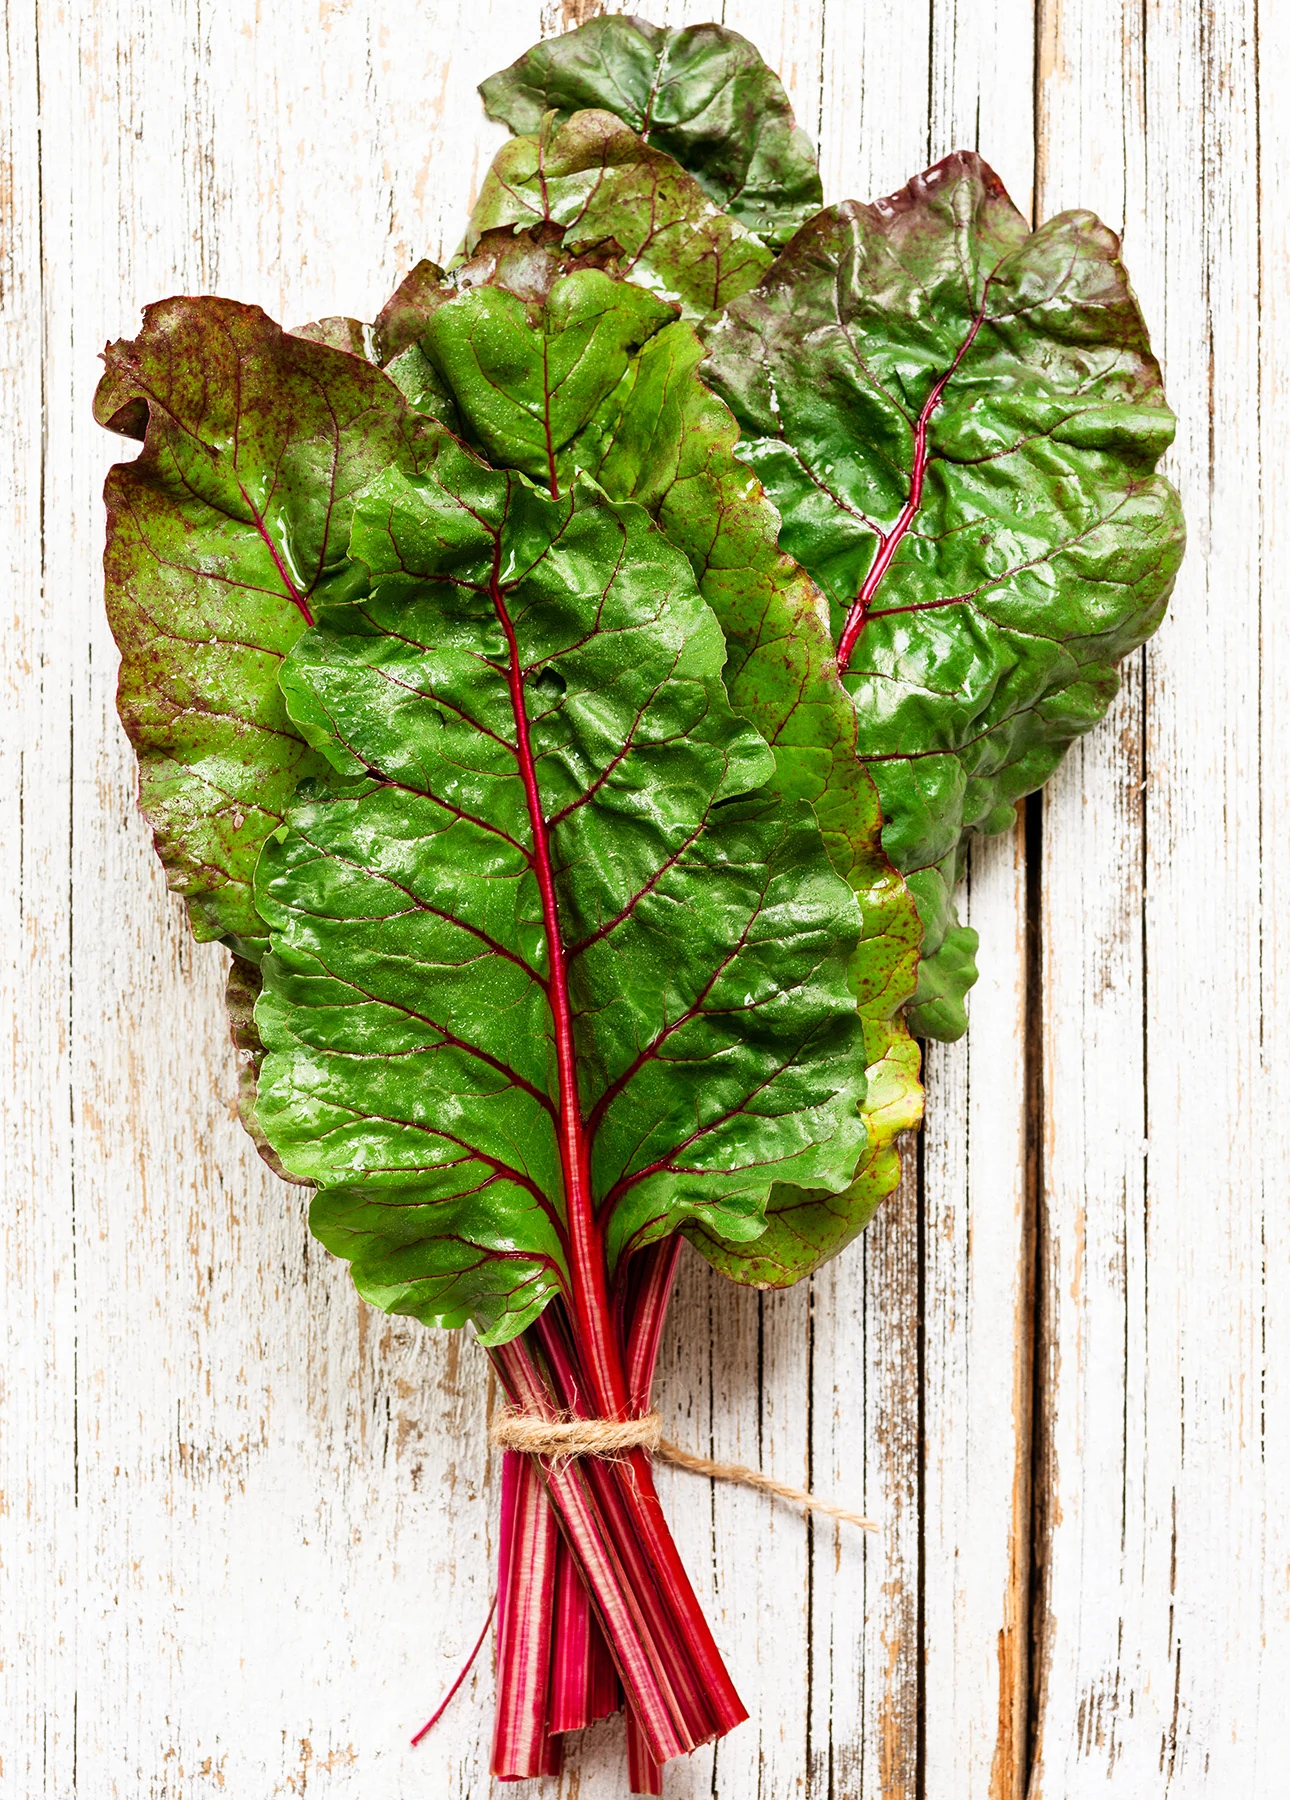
(245, 1522)
(1161, 1641)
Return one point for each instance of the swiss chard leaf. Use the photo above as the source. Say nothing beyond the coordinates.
(608, 190)
(221, 535)
(662, 438)
(959, 420)
(640, 420)
(702, 94)
(540, 935)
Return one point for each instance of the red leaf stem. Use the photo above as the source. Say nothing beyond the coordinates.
(652, 1273)
(588, 1279)
(654, 1591)
(521, 1746)
(584, 1682)
(644, 1775)
(467, 1666)
(889, 542)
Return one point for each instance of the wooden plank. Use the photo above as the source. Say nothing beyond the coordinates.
(1155, 1655)
(868, 1342)
(976, 1389)
(1268, 1722)
(976, 1402)
(38, 1416)
(1094, 1077)
(942, 1669)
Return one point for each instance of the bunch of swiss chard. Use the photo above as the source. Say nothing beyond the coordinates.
(569, 698)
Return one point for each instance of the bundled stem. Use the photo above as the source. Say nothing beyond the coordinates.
(604, 1613)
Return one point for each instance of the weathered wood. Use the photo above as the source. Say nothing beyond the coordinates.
(1159, 1651)
(976, 1399)
(245, 1522)
(38, 1463)
(868, 1599)
(1270, 1103)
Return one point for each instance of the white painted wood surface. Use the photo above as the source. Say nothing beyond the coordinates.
(245, 1521)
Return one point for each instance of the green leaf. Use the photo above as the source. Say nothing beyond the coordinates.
(527, 377)
(701, 94)
(608, 191)
(664, 439)
(640, 420)
(530, 688)
(221, 536)
(959, 421)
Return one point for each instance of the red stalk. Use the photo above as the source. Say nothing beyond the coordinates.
(651, 1275)
(644, 1775)
(617, 1606)
(584, 1682)
(521, 1746)
(663, 1606)
(669, 1664)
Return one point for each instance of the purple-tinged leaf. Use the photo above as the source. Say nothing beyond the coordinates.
(959, 420)
(610, 192)
(221, 537)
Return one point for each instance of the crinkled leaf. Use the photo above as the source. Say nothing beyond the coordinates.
(959, 421)
(640, 420)
(662, 438)
(338, 332)
(702, 94)
(607, 190)
(526, 377)
(220, 536)
(528, 684)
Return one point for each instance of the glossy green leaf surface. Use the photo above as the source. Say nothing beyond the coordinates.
(662, 438)
(640, 420)
(609, 191)
(959, 421)
(221, 536)
(527, 379)
(542, 807)
(701, 94)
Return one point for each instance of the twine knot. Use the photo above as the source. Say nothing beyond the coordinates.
(563, 1436)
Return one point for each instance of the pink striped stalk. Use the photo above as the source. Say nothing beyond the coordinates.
(584, 1682)
(635, 1654)
(646, 1292)
(644, 1775)
(620, 1590)
(652, 1585)
(529, 1539)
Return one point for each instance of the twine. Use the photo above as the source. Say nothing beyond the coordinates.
(567, 1437)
